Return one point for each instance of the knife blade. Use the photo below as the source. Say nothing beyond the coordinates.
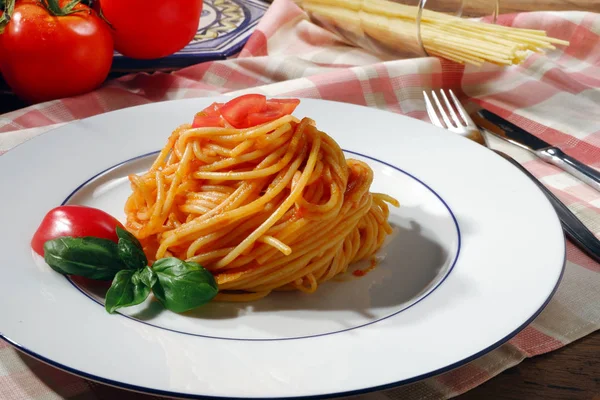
(508, 131)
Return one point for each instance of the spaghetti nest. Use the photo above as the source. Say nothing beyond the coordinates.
(274, 207)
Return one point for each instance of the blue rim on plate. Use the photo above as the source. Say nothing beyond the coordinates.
(429, 292)
(225, 26)
(154, 392)
(447, 368)
(462, 358)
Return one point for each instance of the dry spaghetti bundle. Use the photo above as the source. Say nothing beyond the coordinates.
(394, 26)
(273, 207)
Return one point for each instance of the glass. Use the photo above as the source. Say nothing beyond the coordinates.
(398, 28)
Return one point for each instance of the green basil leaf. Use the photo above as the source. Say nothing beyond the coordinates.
(132, 256)
(182, 286)
(125, 234)
(130, 250)
(147, 276)
(128, 289)
(90, 257)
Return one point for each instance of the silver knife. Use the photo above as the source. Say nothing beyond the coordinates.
(553, 155)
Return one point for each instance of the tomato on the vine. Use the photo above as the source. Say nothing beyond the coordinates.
(53, 49)
(147, 29)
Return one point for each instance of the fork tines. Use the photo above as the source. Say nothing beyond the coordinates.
(451, 107)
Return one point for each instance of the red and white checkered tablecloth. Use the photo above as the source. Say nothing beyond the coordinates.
(556, 96)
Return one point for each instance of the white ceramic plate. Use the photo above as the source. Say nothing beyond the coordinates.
(476, 254)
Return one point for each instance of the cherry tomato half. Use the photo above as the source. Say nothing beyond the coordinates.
(75, 221)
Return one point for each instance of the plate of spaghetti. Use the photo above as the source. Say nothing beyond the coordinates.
(256, 247)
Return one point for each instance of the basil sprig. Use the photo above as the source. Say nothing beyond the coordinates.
(179, 285)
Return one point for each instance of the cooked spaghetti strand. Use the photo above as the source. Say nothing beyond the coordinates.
(273, 207)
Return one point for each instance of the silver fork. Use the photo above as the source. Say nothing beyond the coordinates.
(464, 126)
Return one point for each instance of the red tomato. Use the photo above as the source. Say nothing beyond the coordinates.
(209, 117)
(213, 109)
(236, 111)
(203, 121)
(286, 106)
(46, 57)
(255, 119)
(75, 221)
(245, 111)
(275, 108)
(148, 29)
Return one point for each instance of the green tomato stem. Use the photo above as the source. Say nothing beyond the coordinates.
(55, 9)
(103, 18)
(9, 8)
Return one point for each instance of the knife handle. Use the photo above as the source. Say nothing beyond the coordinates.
(576, 168)
(572, 226)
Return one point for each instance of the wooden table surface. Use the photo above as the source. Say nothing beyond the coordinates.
(570, 373)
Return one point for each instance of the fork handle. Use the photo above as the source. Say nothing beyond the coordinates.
(572, 226)
(556, 156)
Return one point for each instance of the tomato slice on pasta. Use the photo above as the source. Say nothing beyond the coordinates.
(260, 118)
(236, 111)
(244, 112)
(285, 106)
(207, 121)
